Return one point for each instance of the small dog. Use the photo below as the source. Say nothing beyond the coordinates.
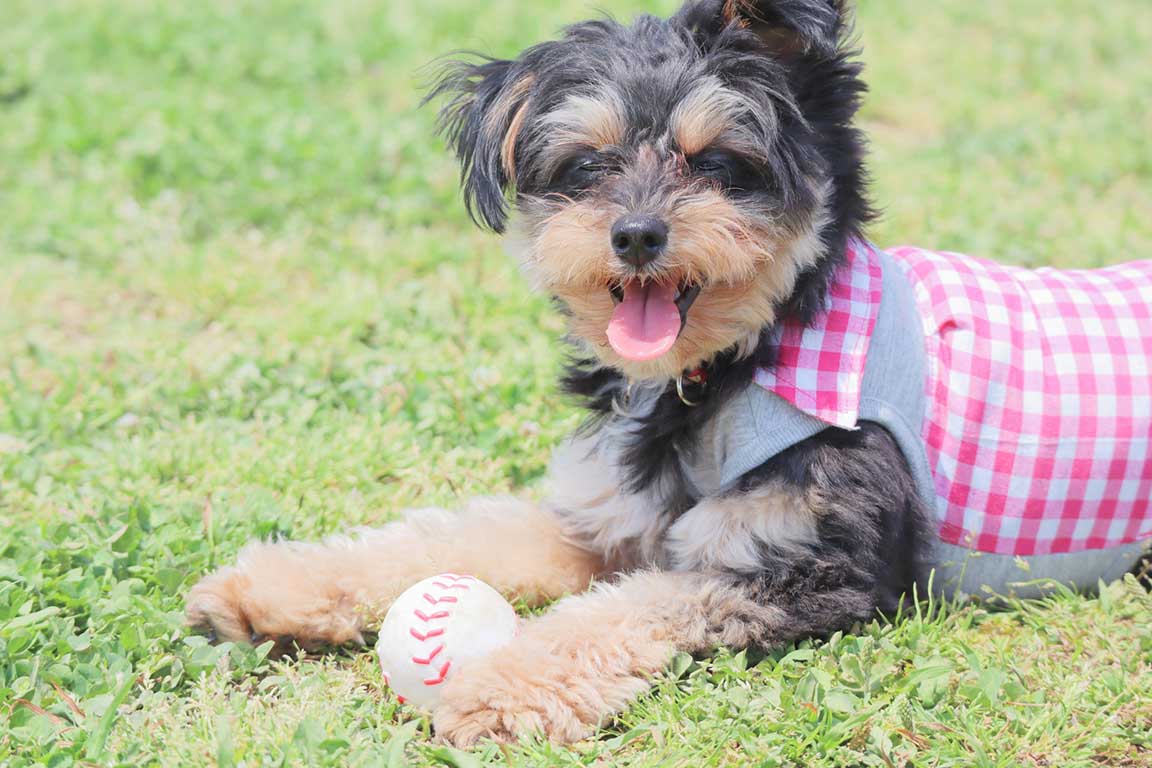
(790, 428)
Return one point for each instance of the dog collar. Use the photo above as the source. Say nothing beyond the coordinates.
(698, 378)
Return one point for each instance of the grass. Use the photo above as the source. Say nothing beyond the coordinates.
(240, 298)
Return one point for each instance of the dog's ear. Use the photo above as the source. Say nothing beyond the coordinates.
(790, 28)
(487, 101)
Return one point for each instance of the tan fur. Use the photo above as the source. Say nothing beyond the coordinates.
(327, 593)
(709, 112)
(508, 148)
(572, 669)
(567, 671)
(570, 248)
(590, 121)
(514, 98)
(508, 100)
(734, 11)
(728, 532)
(747, 266)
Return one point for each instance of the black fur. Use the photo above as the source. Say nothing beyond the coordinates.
(795, 57)
(474, 88)
(657, 441)
(874, 537)
(874, 533)
(653, 64)
(827, 90)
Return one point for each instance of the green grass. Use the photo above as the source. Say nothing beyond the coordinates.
(239, 298)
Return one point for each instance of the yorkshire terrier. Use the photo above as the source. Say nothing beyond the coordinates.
(789, 430)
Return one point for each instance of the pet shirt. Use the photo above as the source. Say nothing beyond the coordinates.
(1022, 400)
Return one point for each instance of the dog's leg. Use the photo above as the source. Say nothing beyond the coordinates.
(327, 593)
(818, 538)
(572, 669)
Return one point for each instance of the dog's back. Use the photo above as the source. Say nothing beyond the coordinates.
(1039, 402)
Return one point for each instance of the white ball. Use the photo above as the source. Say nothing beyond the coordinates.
(435, 626)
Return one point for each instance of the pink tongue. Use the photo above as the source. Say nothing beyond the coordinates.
(645, 325)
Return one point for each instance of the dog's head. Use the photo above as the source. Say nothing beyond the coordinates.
(678, 183)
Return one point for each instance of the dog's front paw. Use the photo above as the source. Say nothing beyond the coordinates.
(513, 693)
(506, 702)
(214, 606)
(278, 592)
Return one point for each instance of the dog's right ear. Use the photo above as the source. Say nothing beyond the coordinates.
(487, 103)
(790, 28)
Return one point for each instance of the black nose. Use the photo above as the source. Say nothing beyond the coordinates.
(639, 238)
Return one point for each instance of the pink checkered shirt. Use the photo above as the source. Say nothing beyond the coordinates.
(1039, 393)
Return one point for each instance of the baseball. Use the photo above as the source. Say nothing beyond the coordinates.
(436, 625)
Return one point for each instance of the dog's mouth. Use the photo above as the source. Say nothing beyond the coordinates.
(649, 317)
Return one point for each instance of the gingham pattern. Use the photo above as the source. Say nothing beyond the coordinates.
(1039, 415)
(820, 367)
(1040, 402)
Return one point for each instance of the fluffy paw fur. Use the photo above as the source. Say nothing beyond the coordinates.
(213, 606)
(514, 694)
(568, 672)
(276, 591)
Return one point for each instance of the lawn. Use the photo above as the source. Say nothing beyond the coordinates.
(239, 297)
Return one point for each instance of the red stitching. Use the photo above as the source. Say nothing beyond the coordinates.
(438, 600)
(451, 586)
(442, 674)
(430, 634)
(427, 617)
(427, 660)
(445, 581)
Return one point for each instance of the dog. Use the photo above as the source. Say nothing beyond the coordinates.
(790, 430)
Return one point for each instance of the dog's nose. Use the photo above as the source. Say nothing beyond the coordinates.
(639, 238)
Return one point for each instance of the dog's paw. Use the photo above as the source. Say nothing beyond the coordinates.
(272, 595)
(488, 705)
(215, 607)
(515, 693)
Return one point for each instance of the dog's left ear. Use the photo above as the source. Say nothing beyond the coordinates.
(487, 102)
(790, 28)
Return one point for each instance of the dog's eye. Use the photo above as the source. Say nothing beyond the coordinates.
(734, 174)
(589, 168)
(708, 166)
(581, 172)
(714, 164)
